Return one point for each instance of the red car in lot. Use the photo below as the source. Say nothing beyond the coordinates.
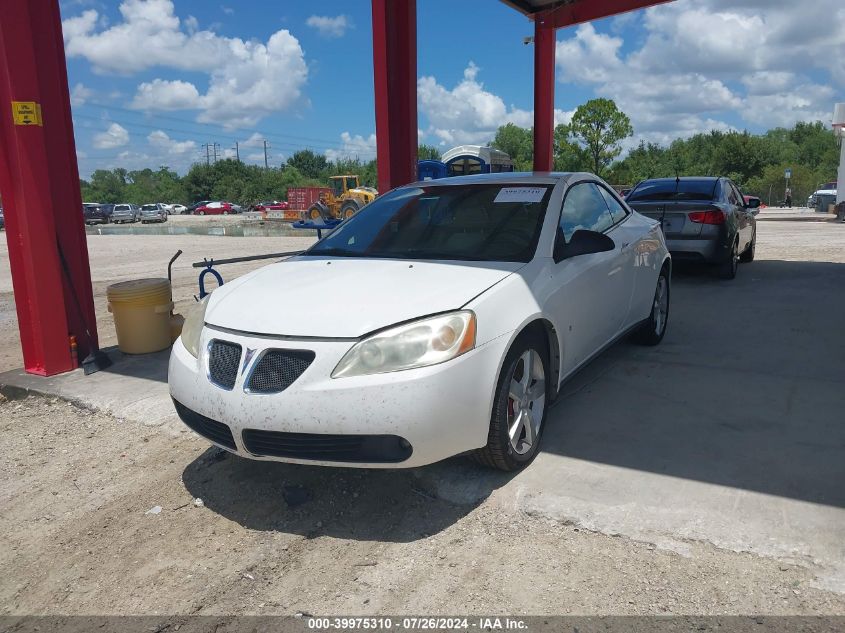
(215, 208)
(271, 205)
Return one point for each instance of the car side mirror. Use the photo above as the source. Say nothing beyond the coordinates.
(582, 242)
(752, 204)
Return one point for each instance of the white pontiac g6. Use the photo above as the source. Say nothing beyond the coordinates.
(440, 319)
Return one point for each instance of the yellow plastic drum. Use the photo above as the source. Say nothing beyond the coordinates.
(141, 309)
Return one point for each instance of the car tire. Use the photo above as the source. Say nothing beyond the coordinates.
(200, 212)
(728, 268)
(653, 329)
(748, 255)
(514, 410)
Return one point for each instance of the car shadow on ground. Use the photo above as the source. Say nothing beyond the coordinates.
(745, 391)
(359, 504)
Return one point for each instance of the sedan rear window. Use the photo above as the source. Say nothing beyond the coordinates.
(479, 222)
(149, 207)
(668, 189)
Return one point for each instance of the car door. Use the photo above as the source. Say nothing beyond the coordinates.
(737, 210)
(589, 297)
(747, 219)
(628, 237)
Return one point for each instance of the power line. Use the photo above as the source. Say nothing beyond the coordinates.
(212, 125)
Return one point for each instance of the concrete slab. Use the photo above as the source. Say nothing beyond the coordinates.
(134, 388)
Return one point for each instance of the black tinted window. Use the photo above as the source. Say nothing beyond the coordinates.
(668, 189)
(584, 208)
(485, 222)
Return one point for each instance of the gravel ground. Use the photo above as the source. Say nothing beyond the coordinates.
(82, 533)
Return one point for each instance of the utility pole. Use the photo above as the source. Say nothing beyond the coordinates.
(237, 152)
(207, 153)
(215, 146)
(266, 164)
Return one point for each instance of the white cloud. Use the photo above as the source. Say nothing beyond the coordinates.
(160, 94)
(696, 64)
(467, 113)
(115, 136)
(354, 147)
(80, 94)
(247, 80)
(161, 141)
(328, 26)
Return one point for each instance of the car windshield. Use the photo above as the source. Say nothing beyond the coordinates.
(479, 222)
(668, 189)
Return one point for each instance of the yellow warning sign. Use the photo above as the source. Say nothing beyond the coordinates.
(26, 113)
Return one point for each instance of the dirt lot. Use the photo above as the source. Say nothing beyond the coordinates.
(80, 532)
(78, 537)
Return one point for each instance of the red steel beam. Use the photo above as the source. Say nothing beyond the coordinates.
(39, 182)
(395, 83)
(581, 11)
(544, 96)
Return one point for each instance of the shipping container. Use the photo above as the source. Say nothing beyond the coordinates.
(300, 198)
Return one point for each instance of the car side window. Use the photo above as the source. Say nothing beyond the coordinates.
(732, 194)
(617, 211)
(584, 208)
(740, 200)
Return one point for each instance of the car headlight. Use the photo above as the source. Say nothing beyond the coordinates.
(421, 343)
(192, 328)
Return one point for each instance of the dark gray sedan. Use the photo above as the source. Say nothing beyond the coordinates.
(704, 219)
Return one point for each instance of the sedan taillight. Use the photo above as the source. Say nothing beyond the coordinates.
(712, 216)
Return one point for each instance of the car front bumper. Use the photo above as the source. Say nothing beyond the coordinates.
(441, 410)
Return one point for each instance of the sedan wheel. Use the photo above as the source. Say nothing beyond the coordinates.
(654, 327)
(520, 407)
(729, 268)
(748, 255)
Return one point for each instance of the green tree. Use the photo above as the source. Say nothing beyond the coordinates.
(518, 143)
(600, 126)
(428, 152)
(310, 164)
(568, 154)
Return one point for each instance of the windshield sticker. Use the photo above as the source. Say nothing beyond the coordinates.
(520, 194)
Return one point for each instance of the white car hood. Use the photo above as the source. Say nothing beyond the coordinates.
(347, 297)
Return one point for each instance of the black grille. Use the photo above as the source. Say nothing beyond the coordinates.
(210, 429)
(277, 369)
(224, 358)
(330, 448)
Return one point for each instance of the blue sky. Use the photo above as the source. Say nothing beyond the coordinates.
(155, 80)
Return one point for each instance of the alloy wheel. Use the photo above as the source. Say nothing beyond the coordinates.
(661, 305)
(526, 401)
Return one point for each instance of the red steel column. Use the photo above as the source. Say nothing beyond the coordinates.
(544, 94)
(39, 182)
(395, 78)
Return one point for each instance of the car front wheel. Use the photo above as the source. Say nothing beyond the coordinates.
(519, 409)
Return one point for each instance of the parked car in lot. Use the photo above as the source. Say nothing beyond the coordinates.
(178, 209)
(95, 213)
(271, 205)
(705, 219)
(440, 319)
(215, 208)
(191, 209)
(122, 213)
(153, 212)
